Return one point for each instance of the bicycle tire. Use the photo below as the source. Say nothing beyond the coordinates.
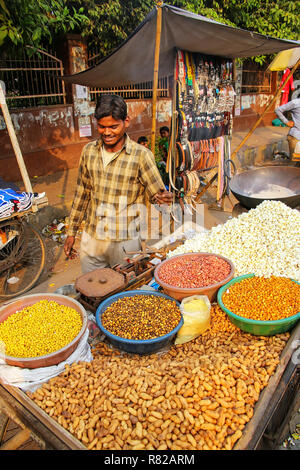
(13, 244)
(32, 263)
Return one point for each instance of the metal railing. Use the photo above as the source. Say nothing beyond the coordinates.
(32, 81)
(256, 81)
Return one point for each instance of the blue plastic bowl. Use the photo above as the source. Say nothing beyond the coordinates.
(256, 327)
(146, 346)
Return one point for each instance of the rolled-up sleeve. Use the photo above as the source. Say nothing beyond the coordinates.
(283, 109)
(149, 174)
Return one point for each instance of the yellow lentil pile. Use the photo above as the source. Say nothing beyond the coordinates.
(141, 317)
(39, 329)
(196, 396)
(260, 298)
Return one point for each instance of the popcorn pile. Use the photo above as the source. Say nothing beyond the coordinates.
(264, 241)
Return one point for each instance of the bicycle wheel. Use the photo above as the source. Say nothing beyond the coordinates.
(12, 242)
(22, 261)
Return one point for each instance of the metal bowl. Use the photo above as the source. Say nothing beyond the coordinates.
(248, 183)
(69, 290)
(57, 356)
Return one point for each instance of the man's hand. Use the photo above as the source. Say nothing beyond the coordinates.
(290, 124)
(69, 245)
(163, 197)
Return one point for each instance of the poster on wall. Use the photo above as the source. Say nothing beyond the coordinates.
(85, 128)
(81, 92)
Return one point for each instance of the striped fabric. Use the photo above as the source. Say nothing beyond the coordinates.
(107, 198)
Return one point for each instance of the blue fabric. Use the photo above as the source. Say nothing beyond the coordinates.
(153, 284)
(12, 201)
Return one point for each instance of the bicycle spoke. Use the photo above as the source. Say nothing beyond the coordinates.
(26, 264)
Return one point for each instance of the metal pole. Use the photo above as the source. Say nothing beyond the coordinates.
(155, 75)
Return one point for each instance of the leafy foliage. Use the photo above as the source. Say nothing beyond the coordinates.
(106, 24)
(277, 19)
(110, 22)
(35, 22)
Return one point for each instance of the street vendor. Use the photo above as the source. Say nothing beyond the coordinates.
(115, 175)
(294, 133)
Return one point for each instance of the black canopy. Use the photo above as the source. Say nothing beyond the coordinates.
(133, 61)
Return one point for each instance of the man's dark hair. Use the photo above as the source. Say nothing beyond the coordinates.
(141, 139)
(164, 128)
(111, 105)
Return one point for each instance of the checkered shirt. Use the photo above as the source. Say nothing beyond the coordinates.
(107, 198)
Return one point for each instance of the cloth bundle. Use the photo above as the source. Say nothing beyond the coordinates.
(12, 201)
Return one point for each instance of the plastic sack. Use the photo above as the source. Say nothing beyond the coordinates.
(31, 379)
(194, 322)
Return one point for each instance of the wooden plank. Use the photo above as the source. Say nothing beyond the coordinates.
(17, 440)
(38, 420)
(155, 73)
(268, 399)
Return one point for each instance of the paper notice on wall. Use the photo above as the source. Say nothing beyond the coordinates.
(81, 92)
(85, 128)
(246, 102)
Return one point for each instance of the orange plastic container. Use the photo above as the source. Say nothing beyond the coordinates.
(57, 356)
(180, 293)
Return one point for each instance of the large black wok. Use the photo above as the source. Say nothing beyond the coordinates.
(247, 183)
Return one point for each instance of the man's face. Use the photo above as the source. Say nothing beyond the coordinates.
(164, 134)
(112, 131)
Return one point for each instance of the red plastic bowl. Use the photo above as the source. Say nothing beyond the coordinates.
(57, 356)
(180, 293)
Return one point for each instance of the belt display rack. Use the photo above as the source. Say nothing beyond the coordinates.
(201, 127)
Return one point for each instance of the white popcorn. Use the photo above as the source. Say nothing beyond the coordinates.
(264, 241)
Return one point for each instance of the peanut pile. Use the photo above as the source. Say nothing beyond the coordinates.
(198, 395)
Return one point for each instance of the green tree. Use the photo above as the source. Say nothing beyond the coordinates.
(278, 19)
(36, 22)
(107, 23)
(111, 22)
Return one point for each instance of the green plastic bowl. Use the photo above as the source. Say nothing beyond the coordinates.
(256, 327)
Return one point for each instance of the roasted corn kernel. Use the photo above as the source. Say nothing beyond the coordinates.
(39, 329)
(141, 317)
(259, 298)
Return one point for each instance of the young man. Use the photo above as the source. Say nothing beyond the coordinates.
(294, 133)
(114, 175)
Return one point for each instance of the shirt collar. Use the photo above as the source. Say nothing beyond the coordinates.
(127, 144)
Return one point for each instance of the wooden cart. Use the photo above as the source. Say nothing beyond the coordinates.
(264, 431)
